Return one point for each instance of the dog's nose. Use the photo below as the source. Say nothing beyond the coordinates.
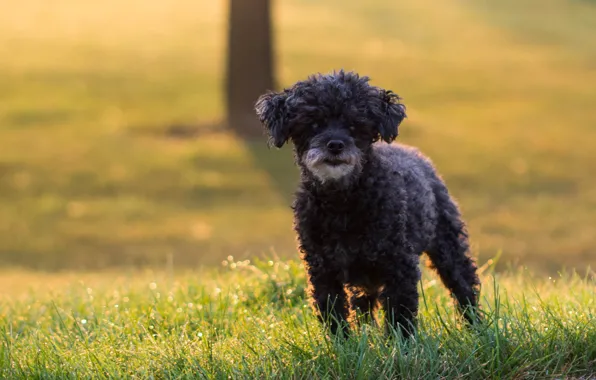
(335, 146)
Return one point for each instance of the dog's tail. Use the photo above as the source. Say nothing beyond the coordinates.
(449, 255)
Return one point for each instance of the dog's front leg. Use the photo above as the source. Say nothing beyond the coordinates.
(400, 296)
(329, 298)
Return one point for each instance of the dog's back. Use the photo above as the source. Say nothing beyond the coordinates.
(421, 184)
(434, 223)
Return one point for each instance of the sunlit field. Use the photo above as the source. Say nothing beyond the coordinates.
(251, 320)
(122, 196)
(112, 155)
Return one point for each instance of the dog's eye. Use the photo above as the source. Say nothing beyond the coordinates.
(352, 128)
(315, 126)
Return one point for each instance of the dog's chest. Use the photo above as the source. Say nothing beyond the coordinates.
(339, 229)
(344, 220)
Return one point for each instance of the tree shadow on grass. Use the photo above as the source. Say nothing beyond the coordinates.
(278, 164)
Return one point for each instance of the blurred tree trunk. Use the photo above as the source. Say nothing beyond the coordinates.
(249, 63)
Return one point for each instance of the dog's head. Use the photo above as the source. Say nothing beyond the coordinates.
(332, 120)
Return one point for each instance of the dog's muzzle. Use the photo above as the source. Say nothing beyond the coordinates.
(327, 166)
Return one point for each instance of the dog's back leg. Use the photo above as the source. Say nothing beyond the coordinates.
(363, 304)
(449, 255)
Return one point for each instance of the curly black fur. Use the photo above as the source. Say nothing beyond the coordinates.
(365, 211)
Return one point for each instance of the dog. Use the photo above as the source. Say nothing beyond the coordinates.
(366, 208)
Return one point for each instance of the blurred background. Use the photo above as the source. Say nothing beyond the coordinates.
(127, 137)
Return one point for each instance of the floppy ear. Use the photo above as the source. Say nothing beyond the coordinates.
(271, 110)
(393, 113)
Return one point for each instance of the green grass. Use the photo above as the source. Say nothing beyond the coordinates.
(111, 155)
(94, 171)
(251, 320)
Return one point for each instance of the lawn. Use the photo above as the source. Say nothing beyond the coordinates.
(113, 160)
(252, 320)
(112, 155)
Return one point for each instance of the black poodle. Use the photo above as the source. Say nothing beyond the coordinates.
(365, 211)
